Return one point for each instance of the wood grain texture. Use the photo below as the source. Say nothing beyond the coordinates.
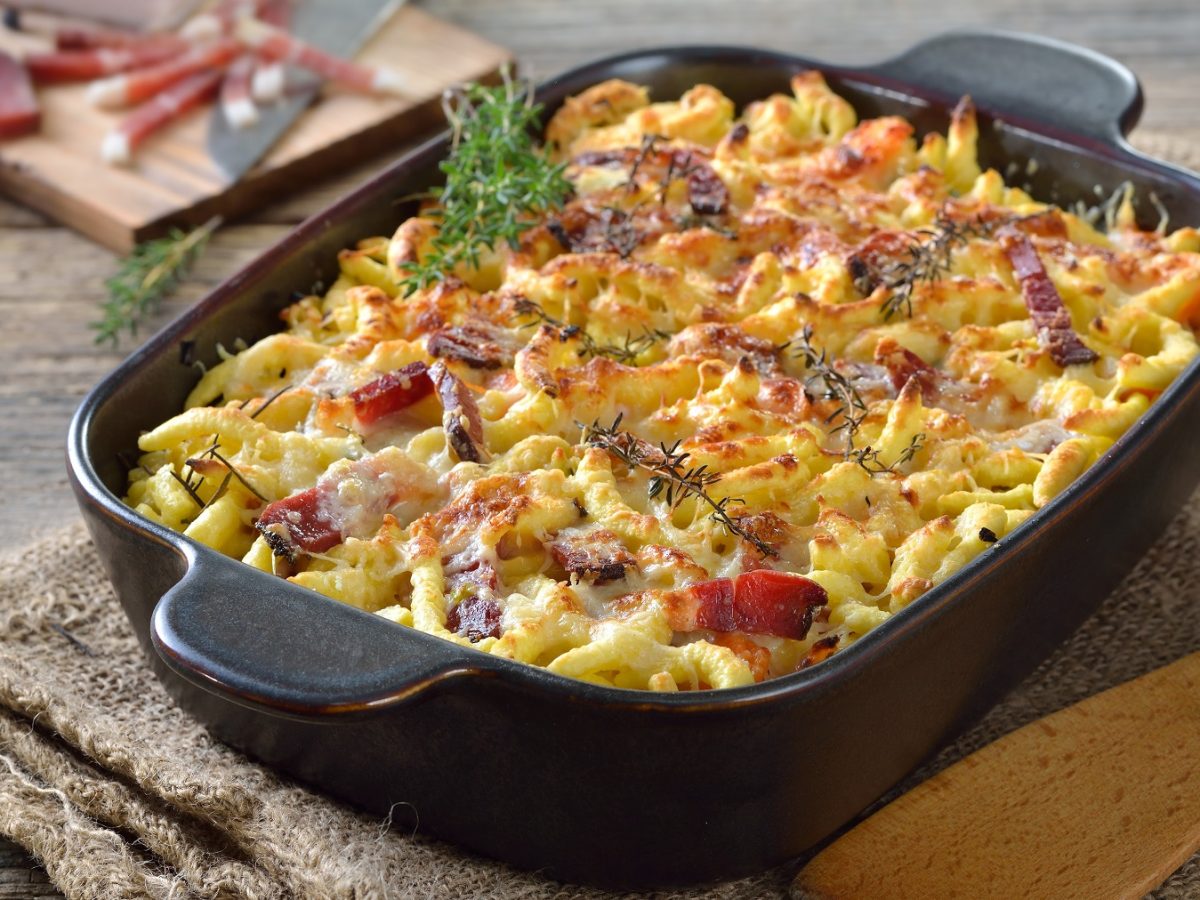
(172, 180)
(1101, 799)
(51, 279)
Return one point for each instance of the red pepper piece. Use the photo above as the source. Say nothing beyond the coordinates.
(391, 393)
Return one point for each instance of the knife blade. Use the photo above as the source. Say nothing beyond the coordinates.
(331, 25)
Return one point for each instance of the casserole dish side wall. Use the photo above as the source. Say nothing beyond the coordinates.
(601, 785)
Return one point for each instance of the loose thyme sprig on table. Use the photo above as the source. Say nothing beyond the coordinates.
(497, 180)
(146, 277)
(626, 352)
(928, 261)
(671, 477)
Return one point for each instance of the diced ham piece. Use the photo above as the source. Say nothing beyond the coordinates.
(167, 106)
(275, 43)
(759, 602)
(19, 111)
(460, 415)
(474, 618)
(391, 393)
(134, 87)
(237, 102)
(85, 65)
(1044, 303)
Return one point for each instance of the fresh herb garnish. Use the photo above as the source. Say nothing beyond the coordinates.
(928, 260)
(146, 277)
(671, 476)
(496, 178)
(626, 352)
(851, 409)
(868, 457)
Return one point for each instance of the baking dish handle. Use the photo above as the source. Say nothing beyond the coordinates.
(1026, 77)
(263, 642)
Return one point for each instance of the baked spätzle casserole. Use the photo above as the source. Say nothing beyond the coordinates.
(756, 382)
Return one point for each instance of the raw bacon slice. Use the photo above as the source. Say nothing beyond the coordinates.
(237, 103)
(1044, 303)
(19, 111)
(391, 393)
(134, 87)
(85, 65)
(760, 602)
(460, 415)
(119, 144)
(274, 43)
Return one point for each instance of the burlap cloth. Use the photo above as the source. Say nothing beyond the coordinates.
(120, 794)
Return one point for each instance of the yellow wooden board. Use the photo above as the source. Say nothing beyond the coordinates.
(173, 181)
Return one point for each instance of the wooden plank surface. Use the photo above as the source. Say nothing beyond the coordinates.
(51, 279)
(172, 179)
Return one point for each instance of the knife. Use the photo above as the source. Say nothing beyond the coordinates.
(334, 26)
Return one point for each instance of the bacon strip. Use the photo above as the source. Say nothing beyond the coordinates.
(707, 194)
(19, 111)
(902, 365)
(119, 144)
(85, 65)
(94, 38)
(474, 618)
(597, 556)
(1044, 303)
(298, 523)
(460, 415)
(274, 43)
(237, 104)
(391, 393)
(134, 87)
(478, 344)
(760, 602)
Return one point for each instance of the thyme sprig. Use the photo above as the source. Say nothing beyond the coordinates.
(671, 475)
(497, 180)
(869, 459)
(192, 479)
(146, 277)
(627, 352)
(930, 257)
(851, 409)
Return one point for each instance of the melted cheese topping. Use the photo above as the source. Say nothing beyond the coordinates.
(698, 249)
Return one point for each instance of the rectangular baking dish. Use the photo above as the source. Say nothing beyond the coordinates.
(623, 788)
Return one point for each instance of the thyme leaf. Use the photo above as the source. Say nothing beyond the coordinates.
(851, 409)
(495, 178)
(930, 257)
(671, 475)
(626, 352)
(146, 277)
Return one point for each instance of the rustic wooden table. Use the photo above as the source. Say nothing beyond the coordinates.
(53, 280)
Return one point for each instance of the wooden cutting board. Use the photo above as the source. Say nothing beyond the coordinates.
(173, 181)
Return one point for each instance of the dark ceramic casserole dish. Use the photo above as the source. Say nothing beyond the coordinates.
(621, 787)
